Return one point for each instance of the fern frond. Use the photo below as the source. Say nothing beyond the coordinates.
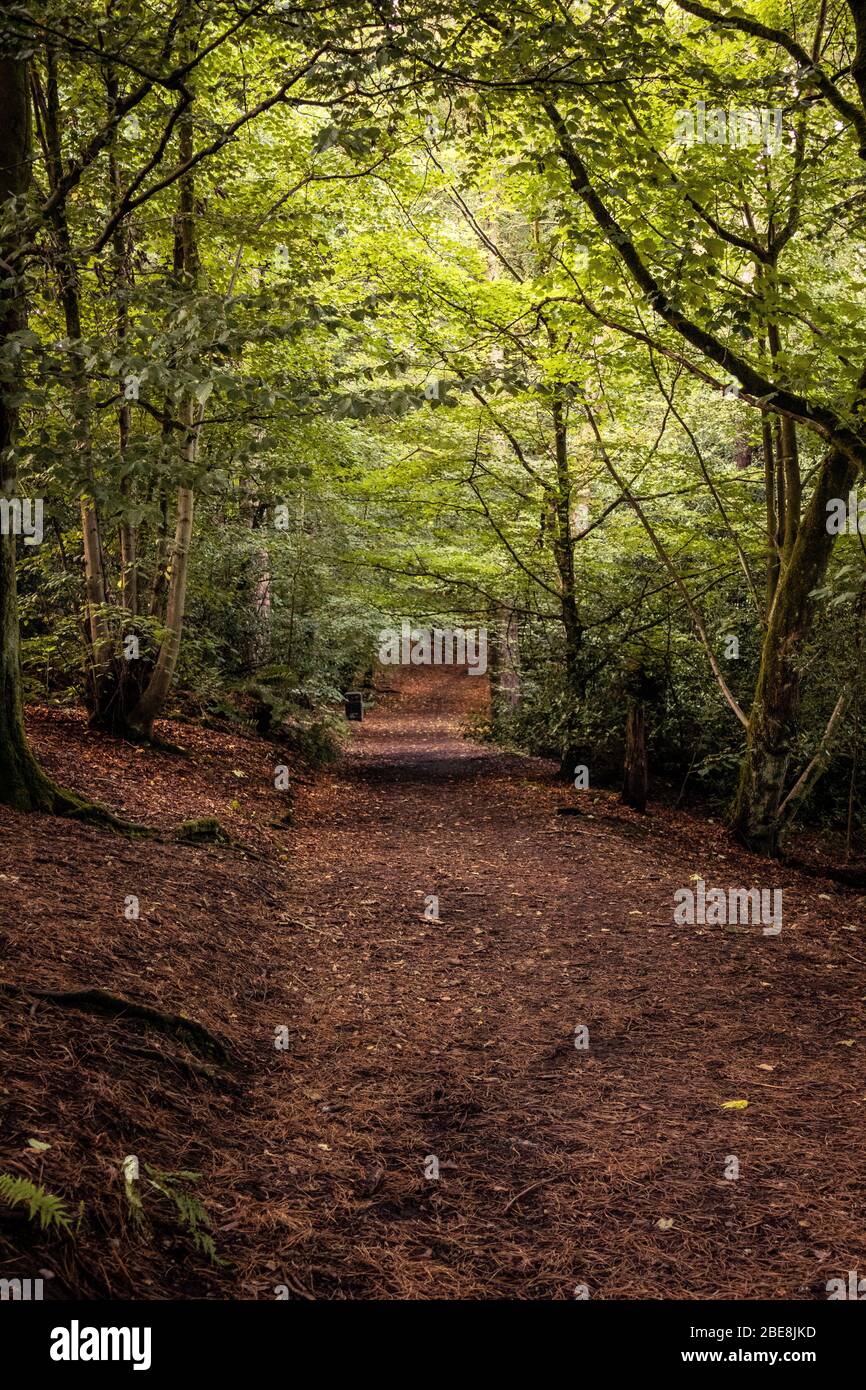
(192, 1213)
(43, 1206)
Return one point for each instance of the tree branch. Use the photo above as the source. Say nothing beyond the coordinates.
(826, 86)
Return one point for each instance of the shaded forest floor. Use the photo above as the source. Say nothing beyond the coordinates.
(410, 1038)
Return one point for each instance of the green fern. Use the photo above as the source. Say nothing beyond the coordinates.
(192, 1213)
(44, 1206)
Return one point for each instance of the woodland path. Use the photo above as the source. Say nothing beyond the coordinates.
(409, 1038)
(456, 1038)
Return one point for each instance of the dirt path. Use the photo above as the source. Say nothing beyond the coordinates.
(411, 1039)
(456, 1039)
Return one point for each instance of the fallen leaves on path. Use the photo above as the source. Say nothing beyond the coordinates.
(430, 1129)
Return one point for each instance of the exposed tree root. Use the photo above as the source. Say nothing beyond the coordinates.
(75, 808)
(206, 831)
(194, 1070)
(100, 1001)
(164, 745)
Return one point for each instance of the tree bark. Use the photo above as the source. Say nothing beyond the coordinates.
(186, 274)
(770, 490)
(563, 552)
(154, 697)
(121, 243)
(509, 674)
(635, 767)
(23, 784)
(773, 718)
(101, 646)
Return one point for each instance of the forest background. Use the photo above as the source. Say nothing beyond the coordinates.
(318, 317)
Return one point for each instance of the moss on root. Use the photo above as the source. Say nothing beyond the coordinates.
(206, 831)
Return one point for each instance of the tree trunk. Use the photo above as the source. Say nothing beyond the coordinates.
(159, 685)
(563, 551)
(770, 490)
(635, 767)
(102, 674)
(159, 584)
(772, 721)
(22, 782)
(186, 274)
(502, 666)
(121, 242)
(509, 671)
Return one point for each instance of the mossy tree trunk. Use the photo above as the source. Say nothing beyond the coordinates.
(22, 782)
(773, 718)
